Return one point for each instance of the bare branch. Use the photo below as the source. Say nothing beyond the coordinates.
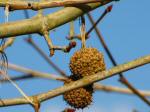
(51, 21)
(34, 73)
(17, 78)
(115, 89)
(22, 5)
(97, 86)
(82, 82)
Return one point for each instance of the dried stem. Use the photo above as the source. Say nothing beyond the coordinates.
(122, 78)
(66, 49)
(82, 82)
(82, 30)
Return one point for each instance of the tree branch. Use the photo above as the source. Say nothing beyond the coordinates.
(51, 21)
(97, 86)
(18, 78)
(22, 5)
(80, 83)
(115, 89)
(34, 73)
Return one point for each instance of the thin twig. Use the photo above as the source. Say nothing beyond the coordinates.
(35, 46)
(17, 78)
(34, 73)
(8, 43)
(6, 76)
(48, 41)
(115, 89)
(134, 90)
(122, 78)
(67, 48)
(80, 83)
(106, 11)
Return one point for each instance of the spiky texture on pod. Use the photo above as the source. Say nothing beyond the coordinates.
(86, 61)
(80, 97)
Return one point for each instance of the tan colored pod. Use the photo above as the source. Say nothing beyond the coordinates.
(87, 61)
(80, 97)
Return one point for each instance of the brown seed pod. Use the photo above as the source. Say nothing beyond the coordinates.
(87, 61)
(80, 97)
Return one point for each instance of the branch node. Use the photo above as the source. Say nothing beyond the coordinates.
(36, 103)
(52, 51)
(109, 8)
(65, 49)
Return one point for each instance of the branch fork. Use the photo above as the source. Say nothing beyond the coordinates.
(36, 104)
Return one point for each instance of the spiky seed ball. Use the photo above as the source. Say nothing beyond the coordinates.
(78, 98)
(87, 61)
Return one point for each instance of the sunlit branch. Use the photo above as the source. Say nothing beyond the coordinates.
(80, 83)
(97, 87)
(22, 5)
(51, 21)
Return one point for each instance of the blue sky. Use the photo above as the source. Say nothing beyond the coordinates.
(126, 32)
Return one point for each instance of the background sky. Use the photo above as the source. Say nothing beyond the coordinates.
(126, 31)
